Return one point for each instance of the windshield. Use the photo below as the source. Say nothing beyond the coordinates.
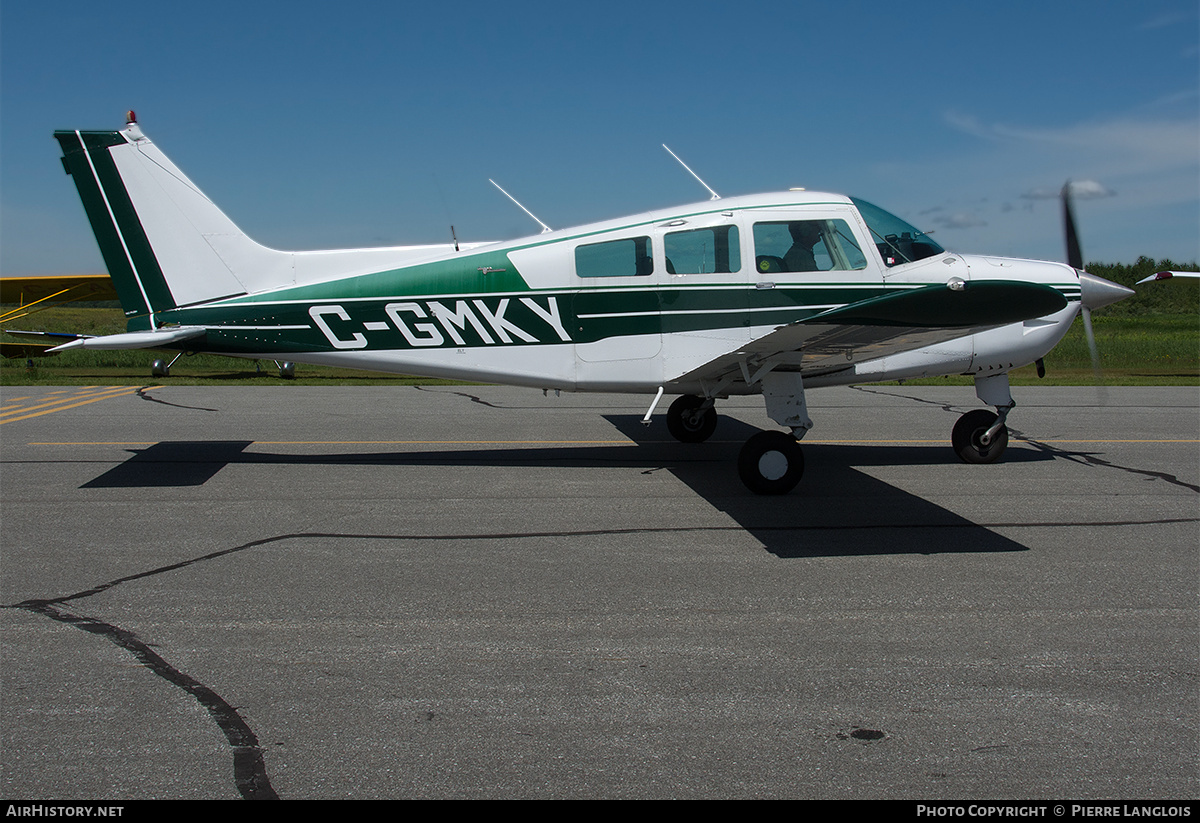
(897, 241)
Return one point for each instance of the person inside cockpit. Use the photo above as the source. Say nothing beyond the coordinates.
(805, 235)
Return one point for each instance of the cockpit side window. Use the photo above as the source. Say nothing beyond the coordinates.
(628, 257)
(806, 246)
(703, 251)
(898, 241)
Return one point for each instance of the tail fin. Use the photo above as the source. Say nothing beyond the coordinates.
(165, 243)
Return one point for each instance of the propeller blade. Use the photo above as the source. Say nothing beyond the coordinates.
(1094, 291)
(1074, 254)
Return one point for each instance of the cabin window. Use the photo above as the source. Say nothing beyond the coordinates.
(703, 251)
(806, 246)
(629, 257)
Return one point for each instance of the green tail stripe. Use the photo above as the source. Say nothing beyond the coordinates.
(126, 249)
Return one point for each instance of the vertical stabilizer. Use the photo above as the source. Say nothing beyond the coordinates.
(164, 242)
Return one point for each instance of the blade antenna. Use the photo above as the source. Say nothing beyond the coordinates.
(545, 228)
(715, 196)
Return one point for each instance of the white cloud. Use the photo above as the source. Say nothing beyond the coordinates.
(1119, 145)
(1080, 190)
(958, 220)
(1166, 20)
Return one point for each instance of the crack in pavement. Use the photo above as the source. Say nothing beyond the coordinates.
(249, 770)
(250, 773)
(1081, 457)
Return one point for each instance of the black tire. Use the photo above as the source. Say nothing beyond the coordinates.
(771, 463)
(686, 424)
(967, 432)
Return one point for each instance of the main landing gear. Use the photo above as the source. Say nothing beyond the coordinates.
(692, 419)
(770, 462)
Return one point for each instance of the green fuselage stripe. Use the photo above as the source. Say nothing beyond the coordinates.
(483, 318)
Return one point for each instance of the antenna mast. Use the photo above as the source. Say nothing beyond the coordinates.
(545, 228)
(715, 196)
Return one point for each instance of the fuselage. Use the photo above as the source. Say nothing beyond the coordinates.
(626, 305)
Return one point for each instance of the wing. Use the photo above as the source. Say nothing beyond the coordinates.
(28, 291)
(33, 343)
(1166, 275)
(832, 340)
(24, 296)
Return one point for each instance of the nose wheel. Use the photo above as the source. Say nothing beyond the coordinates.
(979, 436)
(691, 419)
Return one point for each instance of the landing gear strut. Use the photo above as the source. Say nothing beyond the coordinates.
(772, 462)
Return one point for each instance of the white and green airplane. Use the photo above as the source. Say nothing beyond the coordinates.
(771, 293)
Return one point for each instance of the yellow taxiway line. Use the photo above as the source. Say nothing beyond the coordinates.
(89, 394)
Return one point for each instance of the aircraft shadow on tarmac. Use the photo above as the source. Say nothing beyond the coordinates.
(837, 510)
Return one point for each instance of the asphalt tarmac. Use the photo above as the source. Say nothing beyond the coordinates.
(479, 592)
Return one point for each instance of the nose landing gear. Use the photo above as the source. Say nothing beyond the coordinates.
(980, 436)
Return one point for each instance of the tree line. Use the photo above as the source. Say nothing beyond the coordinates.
(1177, 296)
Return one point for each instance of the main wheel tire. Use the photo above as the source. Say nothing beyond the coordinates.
(771, 463)
(967, 433)
(687, 423)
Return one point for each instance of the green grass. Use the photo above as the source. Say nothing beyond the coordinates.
(1135, 350)
(1145, 350)
(81, 368)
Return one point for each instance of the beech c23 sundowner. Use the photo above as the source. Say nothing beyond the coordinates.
(770, 293)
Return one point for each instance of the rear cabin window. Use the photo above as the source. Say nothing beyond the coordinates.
(806, 246)
(703, 251)
(630, 257)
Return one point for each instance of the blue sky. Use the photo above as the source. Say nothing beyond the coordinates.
(323, 125)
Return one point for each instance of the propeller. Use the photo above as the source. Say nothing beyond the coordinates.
(1094, 291)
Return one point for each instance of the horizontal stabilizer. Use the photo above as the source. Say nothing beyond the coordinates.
(135, 340)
